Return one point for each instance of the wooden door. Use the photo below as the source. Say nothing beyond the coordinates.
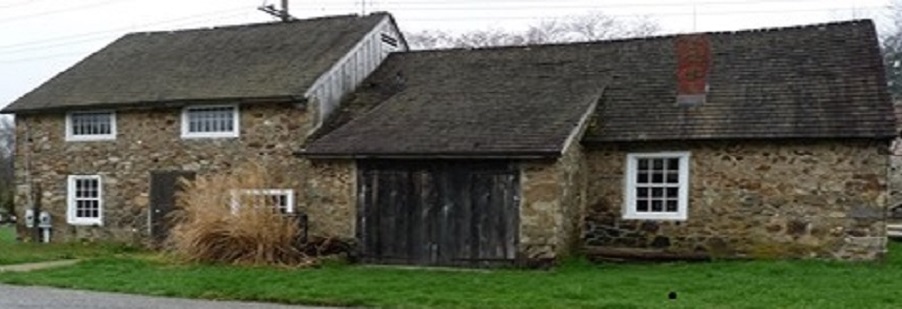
(449, 213)
(163, 188)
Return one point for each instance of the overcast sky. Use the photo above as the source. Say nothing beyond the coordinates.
(40, 38)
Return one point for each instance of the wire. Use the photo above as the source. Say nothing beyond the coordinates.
(44, 57)
(66, 10)
(522, 5)
(53, 41)
(439, 19)
(20, 3)
(87, 52)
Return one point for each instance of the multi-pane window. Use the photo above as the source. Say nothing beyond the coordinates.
(85, 200)
(210, 121)
(657, 186)
(282, 201)
(84, 126)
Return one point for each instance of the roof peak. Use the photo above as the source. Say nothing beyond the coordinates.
(262, 24)
(867, 22)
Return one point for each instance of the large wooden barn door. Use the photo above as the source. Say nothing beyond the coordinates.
(450, 213)
(164, 185)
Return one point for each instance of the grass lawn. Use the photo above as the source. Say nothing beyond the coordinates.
(7, 234)
(12, 252)
(759, 284)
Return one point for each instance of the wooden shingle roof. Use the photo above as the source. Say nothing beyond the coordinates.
(268, 60)
(818, 81)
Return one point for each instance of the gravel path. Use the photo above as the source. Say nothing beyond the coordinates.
(20, 297)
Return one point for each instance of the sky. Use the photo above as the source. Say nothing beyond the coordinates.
(40, 38)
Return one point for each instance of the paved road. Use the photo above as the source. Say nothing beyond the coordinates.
(17, 297)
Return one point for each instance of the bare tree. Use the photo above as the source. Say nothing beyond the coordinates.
(576, 28)
(7, 153)
(891, 45)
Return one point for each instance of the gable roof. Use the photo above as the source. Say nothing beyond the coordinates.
(819, 81)
(268, 60)
(452, 104)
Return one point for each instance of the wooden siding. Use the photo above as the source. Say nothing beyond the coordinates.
(353, 68)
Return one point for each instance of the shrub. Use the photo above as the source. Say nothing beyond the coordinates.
(209, 229)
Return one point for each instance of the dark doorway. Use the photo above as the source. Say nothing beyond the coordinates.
(163, 188)
(447, 213)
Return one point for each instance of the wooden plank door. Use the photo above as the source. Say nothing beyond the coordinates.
(164, 185)
(438, 213)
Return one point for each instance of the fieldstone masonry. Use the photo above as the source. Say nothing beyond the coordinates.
(332, 196)
(552, 205)
(751, 198)
(760, 199)
(149, 140)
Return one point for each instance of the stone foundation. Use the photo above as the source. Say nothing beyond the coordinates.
(759, 199)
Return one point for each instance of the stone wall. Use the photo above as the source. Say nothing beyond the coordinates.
(552, 205)
(755, 199)
(895, 181)
(149, 140)
(332, 196)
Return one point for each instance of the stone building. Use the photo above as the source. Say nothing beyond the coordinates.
(763, 143)
(776, 146)
(95, 138)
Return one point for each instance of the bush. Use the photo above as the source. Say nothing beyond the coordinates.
(208, 229)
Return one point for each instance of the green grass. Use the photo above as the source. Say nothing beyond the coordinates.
(577, 284)
(12, 252)
(7, 234)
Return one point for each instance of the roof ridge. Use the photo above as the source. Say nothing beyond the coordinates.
(657, 37)
(259, 24)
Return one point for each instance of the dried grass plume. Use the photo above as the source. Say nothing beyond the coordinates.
(207, 228)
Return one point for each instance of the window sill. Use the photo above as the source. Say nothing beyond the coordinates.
(91, 138)
(85, 222)
(209, 136)
(662, 217)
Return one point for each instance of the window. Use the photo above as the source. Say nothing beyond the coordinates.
(210, 121)
(88, 126)
(85, 200)
(280, 200)
(657, 186)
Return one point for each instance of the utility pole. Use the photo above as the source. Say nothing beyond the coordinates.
(280, 13)
(285, 17)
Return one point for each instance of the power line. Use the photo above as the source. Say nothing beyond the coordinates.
(43, 57)
(86, 52)
(438, 19)
(54, 41)
(20, 3)
(521, 4)
(66, 10)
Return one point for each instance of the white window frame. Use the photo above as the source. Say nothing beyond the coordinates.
(629, 204)
(236, 120)
(288, 193)
(70, 134)
(71, 201)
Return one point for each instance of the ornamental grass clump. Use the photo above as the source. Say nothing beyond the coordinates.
(220, 219)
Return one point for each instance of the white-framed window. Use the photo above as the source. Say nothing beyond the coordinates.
(210, 121)
(657, 186)
(90, 126)
(281, 200)
(85, 200)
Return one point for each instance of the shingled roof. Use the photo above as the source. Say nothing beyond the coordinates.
(819, 81)
(268, 60)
